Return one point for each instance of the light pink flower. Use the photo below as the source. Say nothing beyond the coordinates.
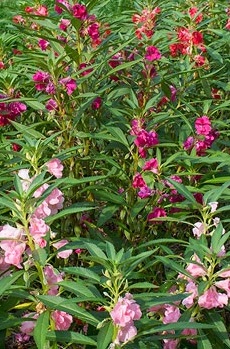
(170, 343)
(196, 269)
(225, 273)
(126, 333)
(212, 299)
(224, 285)
(125, 311)
(62, 320)
(27, 327)
(213, 206)
(199, 229)
(25, 178)
(191, 287)
(62, 254)
(172, 314)
(52, 278)
(55, 167)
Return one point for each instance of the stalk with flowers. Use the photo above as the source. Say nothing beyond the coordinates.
(115, 175)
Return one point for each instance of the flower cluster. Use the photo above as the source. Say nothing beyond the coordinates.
(15, 242)
(125, 311)
(144, 139)
(145, 22)
(205, 136)
(10, 110)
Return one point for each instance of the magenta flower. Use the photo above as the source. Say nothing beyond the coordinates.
(138, 181)
(79, 11)
(152, 54)
(157, 212)
(64, 24)
(203, 125)
(93, 31)
(41, 80)
(151, 165)
(69, 84)
(51, 104)
(145, 192)
(96, 104)
(59, 9)
(43, 44)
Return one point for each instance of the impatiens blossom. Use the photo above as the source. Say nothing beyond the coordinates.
(52, 278)
(51, 104)
(138, 181)
(151, 165)
(27, 327)
(156, 213)
(13, 245)
(55, 167)
(199, 229)
(62, 320)
(62, 254)
(224, 285)
(203, 125)
(152, 54)
(125, 311)
(191, 287)
(172, 314)
(69, 84)
(79, 11)
(43, 44)
(196, 269)
(212, 299)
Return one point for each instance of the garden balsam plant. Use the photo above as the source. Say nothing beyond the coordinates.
(134, 105)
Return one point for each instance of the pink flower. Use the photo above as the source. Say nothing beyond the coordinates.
(79, 11)
(156, 212)
(38, 229)
(196, 269)
(170, 343)
(62, 320)
(69, 84)
(59, 9)
(126, 333)
(224, 285)
(125, 311)
(51, 204)
(212, 299)
(152, 54)
(191, 287)
(43, 44)
(172, 314)
(151, 165)
(25, 178)
(55, 167)
(93, 31)
(144, 192)
(213, 206)
(41, 80)
(96, 104)
(62, 254)
(203, 125)
(52, 278)
(64, 24)
(225, 273)
(138, 181)
(189, 143)
(12, 244)
(51, 104)
(199, 229)
(27, 327)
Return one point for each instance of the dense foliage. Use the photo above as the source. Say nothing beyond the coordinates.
(114, 177)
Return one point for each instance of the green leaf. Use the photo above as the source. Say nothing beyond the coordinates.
(41, 329)
(7, 281)
(75, 208)
(106, 213)
(40, 255)
(219, 329)
(183, 191)
(70, 337)
(79, 288)
(84, 272)
(60, 303)
(105, 335)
